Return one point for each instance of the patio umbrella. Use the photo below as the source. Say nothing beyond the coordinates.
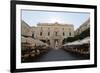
(23, 39)
(75, 43)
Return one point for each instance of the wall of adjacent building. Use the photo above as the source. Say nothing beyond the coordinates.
(83, 27)
(25, 29)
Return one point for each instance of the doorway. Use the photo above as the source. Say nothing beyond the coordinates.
(56, 43)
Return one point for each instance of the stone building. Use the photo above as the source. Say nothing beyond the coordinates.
(26, 37)
(83, 27)
(52, 33)
(25, 29)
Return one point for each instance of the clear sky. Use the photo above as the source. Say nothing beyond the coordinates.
(32, 17)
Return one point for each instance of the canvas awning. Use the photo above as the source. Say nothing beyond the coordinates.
(23, 39)
(85, 40)
(32, 41)
(73, 43)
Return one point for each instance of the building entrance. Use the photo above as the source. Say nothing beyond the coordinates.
(56, 43)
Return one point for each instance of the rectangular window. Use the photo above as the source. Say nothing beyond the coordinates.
(40, 33)
(69, 33)
(55, 33)
(63, 34)
(32, 35)
(48, 33)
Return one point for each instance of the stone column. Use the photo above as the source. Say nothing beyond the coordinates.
(60, 42)
(52, 43)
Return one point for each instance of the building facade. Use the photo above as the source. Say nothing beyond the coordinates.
(25, 29)
(52, 33)
(83, 27)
